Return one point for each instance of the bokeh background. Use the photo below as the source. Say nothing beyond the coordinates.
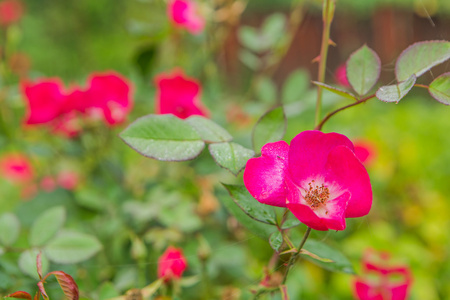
(136, 206)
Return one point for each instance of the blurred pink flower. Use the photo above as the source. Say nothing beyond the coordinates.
(68, 125)
(108, 95)
(171, 264)
(10, 12)
(380, 280)
(184, 13)
(318, 178)
(111, 93)
(16, 167)
(341, 76)
(179, 95)
(68, 180)
(48, 183)
(45, 99)
(366, 151)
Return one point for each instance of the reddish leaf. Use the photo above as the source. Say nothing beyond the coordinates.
(284, 292)
(39, 265)
(42, 289)
(68, 285)
(19, 295)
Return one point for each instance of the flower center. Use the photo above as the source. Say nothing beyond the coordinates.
(316, 195)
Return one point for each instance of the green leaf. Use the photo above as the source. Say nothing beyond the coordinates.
(230, 156)
(363, 69)
(9, 229)
(72, 247)
(440, 88)
(208, 130)
(250, 60)
(335, 90)
(254, 209)
(276, 240)
(250, 38)
(295, 86)
(107, 290)
(259, 229)
(421, 57)
(395, 92)
(27, 263)
(163, 137)
(47, 225)
(266, 90)
(152, 288)
(271, 127)
(273, 27)
(340, 262)
(289, 223)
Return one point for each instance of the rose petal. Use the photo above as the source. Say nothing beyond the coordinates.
(365, 291)
(329, 216)
(399, 292)
(45, 100)
(264, 177)
(178, 94)
(110, 92)
(183, 13)
(344, 168)
(309, 151)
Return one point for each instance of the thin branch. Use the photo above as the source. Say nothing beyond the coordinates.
(327, 117)
(294, 256)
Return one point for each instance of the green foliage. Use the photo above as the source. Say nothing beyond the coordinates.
(339, 263)
(421, 57)
(440, 88)
(295, 86)
(72, 247)
(266, 90)
(335, 90)
(163, 137)
(27, 263)
(265, 38)
(250, 206)
(9, 229)
(394, 93)
(230, 156)
(363, 69)
(47, 225)
(209, 131)
(270, 128)
(257, 228)
(276, 241)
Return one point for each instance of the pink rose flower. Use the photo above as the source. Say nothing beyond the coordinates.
(10, 12)
(381, 281)
(318, 178)
(179, 95)
(45, 99)
(183, 13)
(68, 125)
(48, 183)
(112, 94)
(108, 95)
(341, 76)
(171, 264)
(68, 180)
(16, 167)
